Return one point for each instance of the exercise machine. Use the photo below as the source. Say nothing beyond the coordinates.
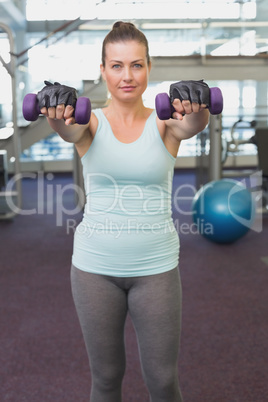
(10, 199)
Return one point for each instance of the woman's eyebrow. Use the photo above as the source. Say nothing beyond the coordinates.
(119, 61)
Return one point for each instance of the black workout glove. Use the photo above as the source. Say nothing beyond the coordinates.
(55, 94)
(194, 91)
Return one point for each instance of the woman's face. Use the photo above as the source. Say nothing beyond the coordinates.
(126, 70)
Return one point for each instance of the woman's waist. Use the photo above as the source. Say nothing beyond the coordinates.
(110, 238)
(129, 207)
(113, 222)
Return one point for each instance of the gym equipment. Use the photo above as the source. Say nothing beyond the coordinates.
(261, 140)
(233, 146)
(3, 169)
(209, 152)
(223, 210)
(164, 108)
(31, 110)
(11, 200)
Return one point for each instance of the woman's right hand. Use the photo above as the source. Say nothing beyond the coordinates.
(60, 112)
(57, 102)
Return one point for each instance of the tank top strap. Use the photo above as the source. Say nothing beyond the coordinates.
(103, 124)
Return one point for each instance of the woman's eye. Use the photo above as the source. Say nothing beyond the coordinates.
(115, 66)
(137, 66)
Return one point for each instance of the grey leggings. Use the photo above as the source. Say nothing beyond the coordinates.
(154, 305)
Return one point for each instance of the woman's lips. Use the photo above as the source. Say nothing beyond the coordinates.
(128, 88)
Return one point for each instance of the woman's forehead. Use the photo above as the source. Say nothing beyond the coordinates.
(130, 49)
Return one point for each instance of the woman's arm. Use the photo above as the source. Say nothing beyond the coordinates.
(188, 120)
(61, 120)
(57, 103)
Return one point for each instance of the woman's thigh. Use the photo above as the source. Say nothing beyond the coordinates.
(155, 309)
(101, 308)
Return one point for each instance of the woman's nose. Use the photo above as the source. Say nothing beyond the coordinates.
(127, 74)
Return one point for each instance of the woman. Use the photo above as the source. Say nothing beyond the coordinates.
(126, 247)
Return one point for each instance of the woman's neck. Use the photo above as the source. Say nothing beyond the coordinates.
(126, 111)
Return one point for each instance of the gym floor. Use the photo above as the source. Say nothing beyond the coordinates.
(224, 344)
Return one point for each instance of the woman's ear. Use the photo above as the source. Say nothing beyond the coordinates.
(102, 70)
(150, 66)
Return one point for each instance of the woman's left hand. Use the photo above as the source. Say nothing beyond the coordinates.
(189, 97)
(186, 107)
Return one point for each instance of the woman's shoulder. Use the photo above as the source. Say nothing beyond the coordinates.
(149, 111)
(96, 116)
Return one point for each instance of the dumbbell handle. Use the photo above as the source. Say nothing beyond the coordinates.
(31, 109)
(165, 109)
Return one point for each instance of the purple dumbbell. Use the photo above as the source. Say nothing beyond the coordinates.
(164, 108)
(31, 110)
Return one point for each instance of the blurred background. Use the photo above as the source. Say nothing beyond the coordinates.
(224, 344)
(223, 42)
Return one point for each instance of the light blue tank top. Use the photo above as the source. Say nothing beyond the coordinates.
(127, 227)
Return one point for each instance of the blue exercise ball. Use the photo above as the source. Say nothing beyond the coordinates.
(223, 210)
